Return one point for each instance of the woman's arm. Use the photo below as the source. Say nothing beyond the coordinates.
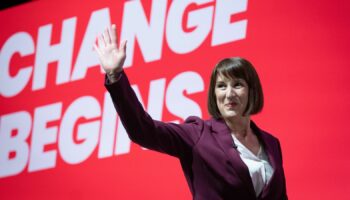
(169, 138)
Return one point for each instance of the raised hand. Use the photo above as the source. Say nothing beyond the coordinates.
(110, 55)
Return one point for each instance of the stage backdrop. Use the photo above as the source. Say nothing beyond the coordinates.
(60, 137)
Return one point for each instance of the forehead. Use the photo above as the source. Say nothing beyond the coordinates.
(220, 77)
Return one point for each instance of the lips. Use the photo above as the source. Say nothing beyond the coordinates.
(231, 104)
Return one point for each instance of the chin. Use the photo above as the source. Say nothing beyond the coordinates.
(231, 115)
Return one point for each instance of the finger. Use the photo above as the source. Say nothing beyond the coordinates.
(106, 37)
(122, 46)
(97, 50)
(100, 41)
(113, 34)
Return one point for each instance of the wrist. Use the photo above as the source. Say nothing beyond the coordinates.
(114, 76)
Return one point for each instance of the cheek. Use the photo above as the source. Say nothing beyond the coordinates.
(219, 97)
(245, 98)
(216, 96)
(218, 102)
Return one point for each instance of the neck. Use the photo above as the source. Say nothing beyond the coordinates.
(240, 126)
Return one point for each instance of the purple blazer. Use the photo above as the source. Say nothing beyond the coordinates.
(205, 148)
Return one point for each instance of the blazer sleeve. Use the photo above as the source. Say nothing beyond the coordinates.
(285, 197)
(173, 139)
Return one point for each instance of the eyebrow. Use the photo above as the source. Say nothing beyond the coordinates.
(235, 80)
(220, 82)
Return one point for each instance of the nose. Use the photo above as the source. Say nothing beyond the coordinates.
(230, 93)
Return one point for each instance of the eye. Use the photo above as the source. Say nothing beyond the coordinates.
(238, 85)
(221, 85)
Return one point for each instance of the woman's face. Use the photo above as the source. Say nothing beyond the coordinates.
(231, 96)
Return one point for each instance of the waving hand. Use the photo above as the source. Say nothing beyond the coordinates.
(110, 55)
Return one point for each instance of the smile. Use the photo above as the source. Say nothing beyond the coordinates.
(231, 105)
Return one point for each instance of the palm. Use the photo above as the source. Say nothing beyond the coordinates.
(111, 57)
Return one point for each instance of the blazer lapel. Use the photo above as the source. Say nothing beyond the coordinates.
(223, 137)
(270, 153)
(265, 143)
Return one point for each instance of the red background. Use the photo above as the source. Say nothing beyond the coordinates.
(301, 52)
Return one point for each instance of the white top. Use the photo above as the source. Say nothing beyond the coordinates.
(259, 167)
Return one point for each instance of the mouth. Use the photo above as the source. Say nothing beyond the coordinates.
(231, 104)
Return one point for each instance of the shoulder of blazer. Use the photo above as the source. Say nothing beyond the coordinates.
(197, 123)
(202, 126)
(266, 136)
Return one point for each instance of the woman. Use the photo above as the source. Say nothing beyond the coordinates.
(226, 157)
